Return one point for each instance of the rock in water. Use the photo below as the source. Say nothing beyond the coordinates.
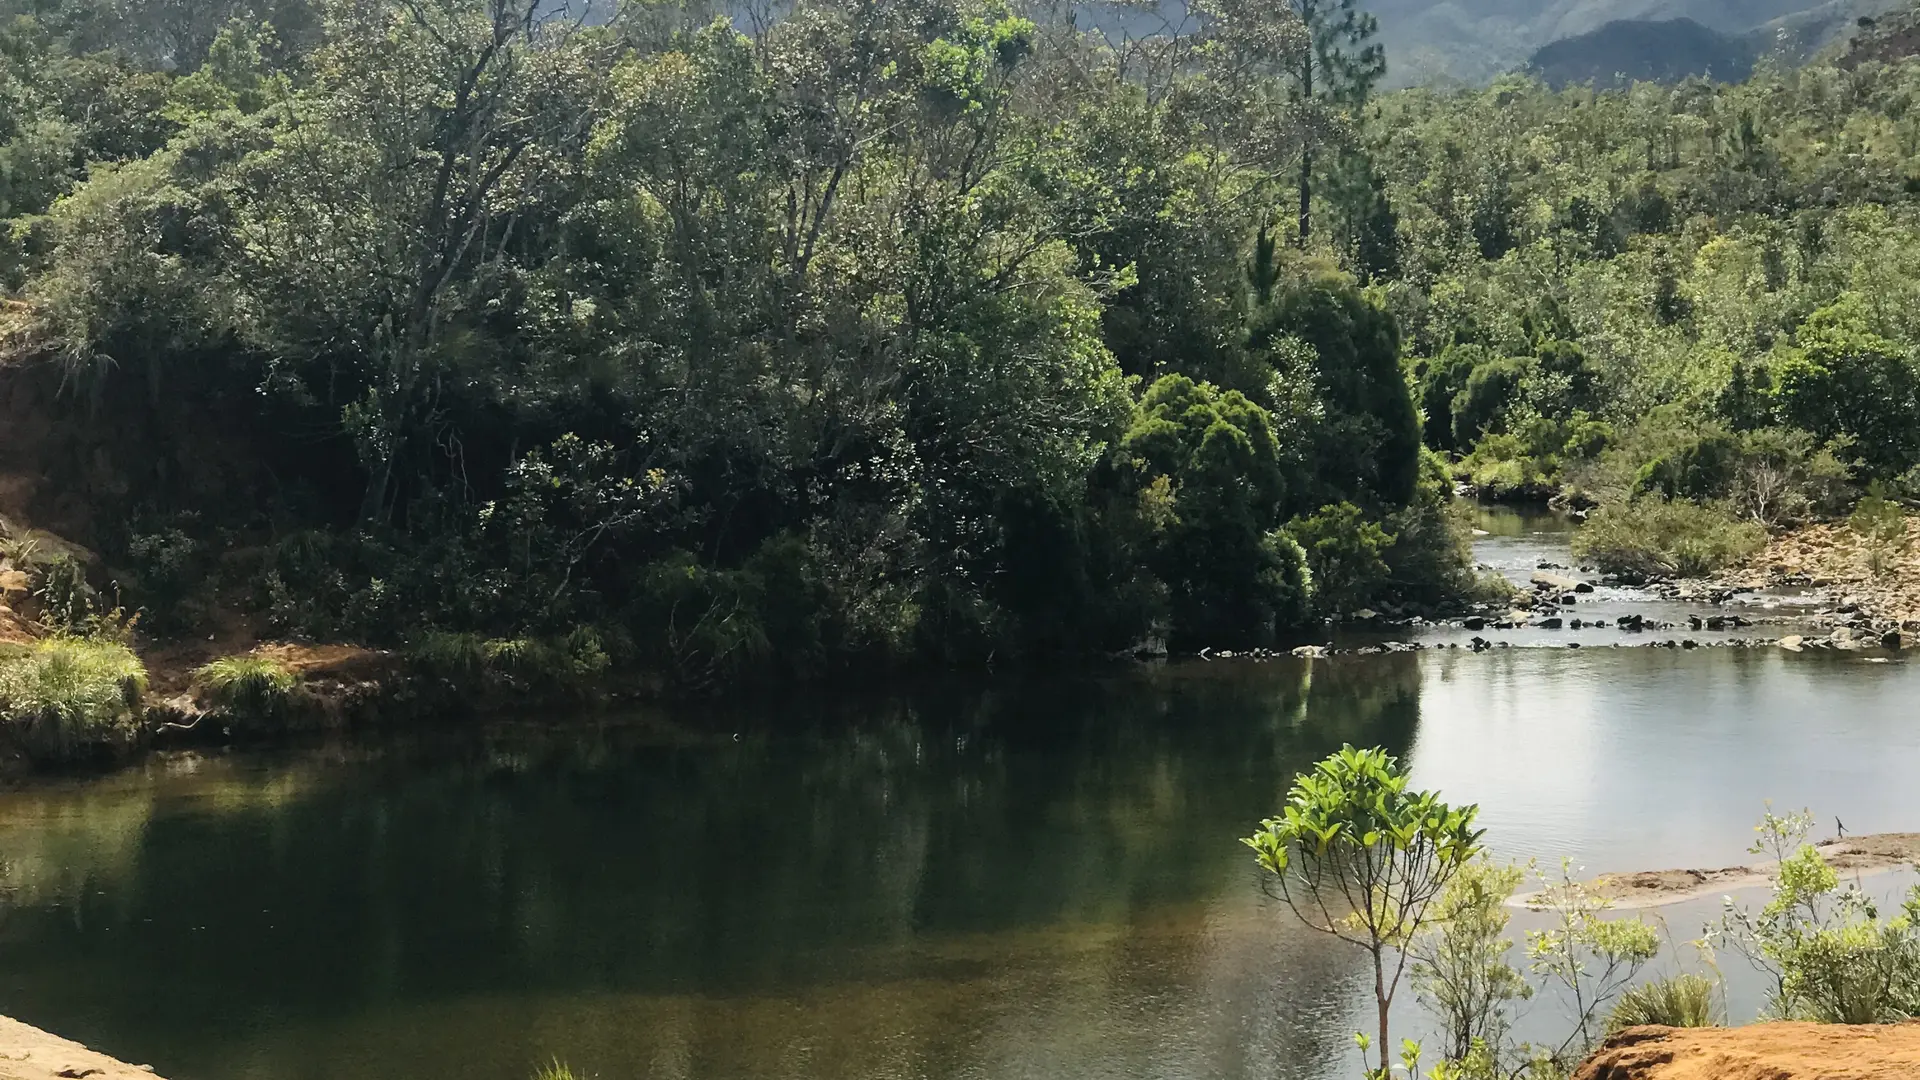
(1560, 582)
(1791, 643)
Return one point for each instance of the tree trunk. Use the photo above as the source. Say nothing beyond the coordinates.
(1384, 1004)
(1306, 195)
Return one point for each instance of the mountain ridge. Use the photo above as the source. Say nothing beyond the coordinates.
(1473, 41)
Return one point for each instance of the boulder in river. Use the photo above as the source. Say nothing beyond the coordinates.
(1473, 622)
(1791, 643)
(1550, 624)
(1561, 582)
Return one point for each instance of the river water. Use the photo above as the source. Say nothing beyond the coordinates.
(1032, 878)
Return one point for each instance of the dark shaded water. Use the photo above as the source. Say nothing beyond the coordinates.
(1032, 878)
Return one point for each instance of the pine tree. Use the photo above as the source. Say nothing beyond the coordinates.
(1336, 69)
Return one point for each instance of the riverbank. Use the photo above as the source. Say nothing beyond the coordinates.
(27, 1053)
(1778, 1051)
(1831, 562)
(1853, 855)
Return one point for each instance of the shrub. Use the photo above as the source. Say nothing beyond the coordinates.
(1843, 379)
(1783, 475)
(1530, 461)
(461, 658)
(471, 661)
(1832, 956)
(66, 599)
(1882, 525)
(249, 686)
(1460, 965)
(1702, 469)
(68, 697)
(1654, 538)
(1681, 1001)
(1440, 380)
(1482, 406)
(1501, 468)
(1344, 554)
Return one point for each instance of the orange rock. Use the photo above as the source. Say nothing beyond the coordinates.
(1759, 1052)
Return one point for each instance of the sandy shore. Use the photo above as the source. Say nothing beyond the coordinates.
(1872, 854)
(27, 1053)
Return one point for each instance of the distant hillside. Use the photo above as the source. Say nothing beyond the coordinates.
(1644, 50)
(1892, 37)
(1474, 40)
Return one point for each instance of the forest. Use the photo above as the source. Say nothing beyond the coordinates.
(858, 333)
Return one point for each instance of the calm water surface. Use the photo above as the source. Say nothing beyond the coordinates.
(1032, 878)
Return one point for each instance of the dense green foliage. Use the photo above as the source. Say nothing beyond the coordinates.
(926, 329)
(1725, 260)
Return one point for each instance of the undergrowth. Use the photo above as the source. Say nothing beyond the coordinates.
(1656, 538)
(66, 698)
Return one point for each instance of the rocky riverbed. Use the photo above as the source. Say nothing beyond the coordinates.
(1813, 589)
(1854, 586)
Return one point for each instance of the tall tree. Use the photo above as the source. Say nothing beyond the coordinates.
(1335, 69)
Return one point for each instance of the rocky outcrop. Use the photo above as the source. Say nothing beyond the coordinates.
(1759, 1052)
(1871, 591)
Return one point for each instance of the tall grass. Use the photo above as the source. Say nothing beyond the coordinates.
(1681, 1001)
(555, 1070)
(68, 697)
(247, 685)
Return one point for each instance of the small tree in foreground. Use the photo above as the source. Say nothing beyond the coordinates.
(1356, 855)
(1460, 968)
(1587, 957)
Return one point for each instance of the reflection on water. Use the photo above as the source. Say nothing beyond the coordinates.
(997, 882)
(1026, 878)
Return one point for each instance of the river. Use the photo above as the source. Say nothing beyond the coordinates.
(1004, 879)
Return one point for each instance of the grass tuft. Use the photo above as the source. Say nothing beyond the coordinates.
(69, 697)
(1682, 1001)
(247, 685)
